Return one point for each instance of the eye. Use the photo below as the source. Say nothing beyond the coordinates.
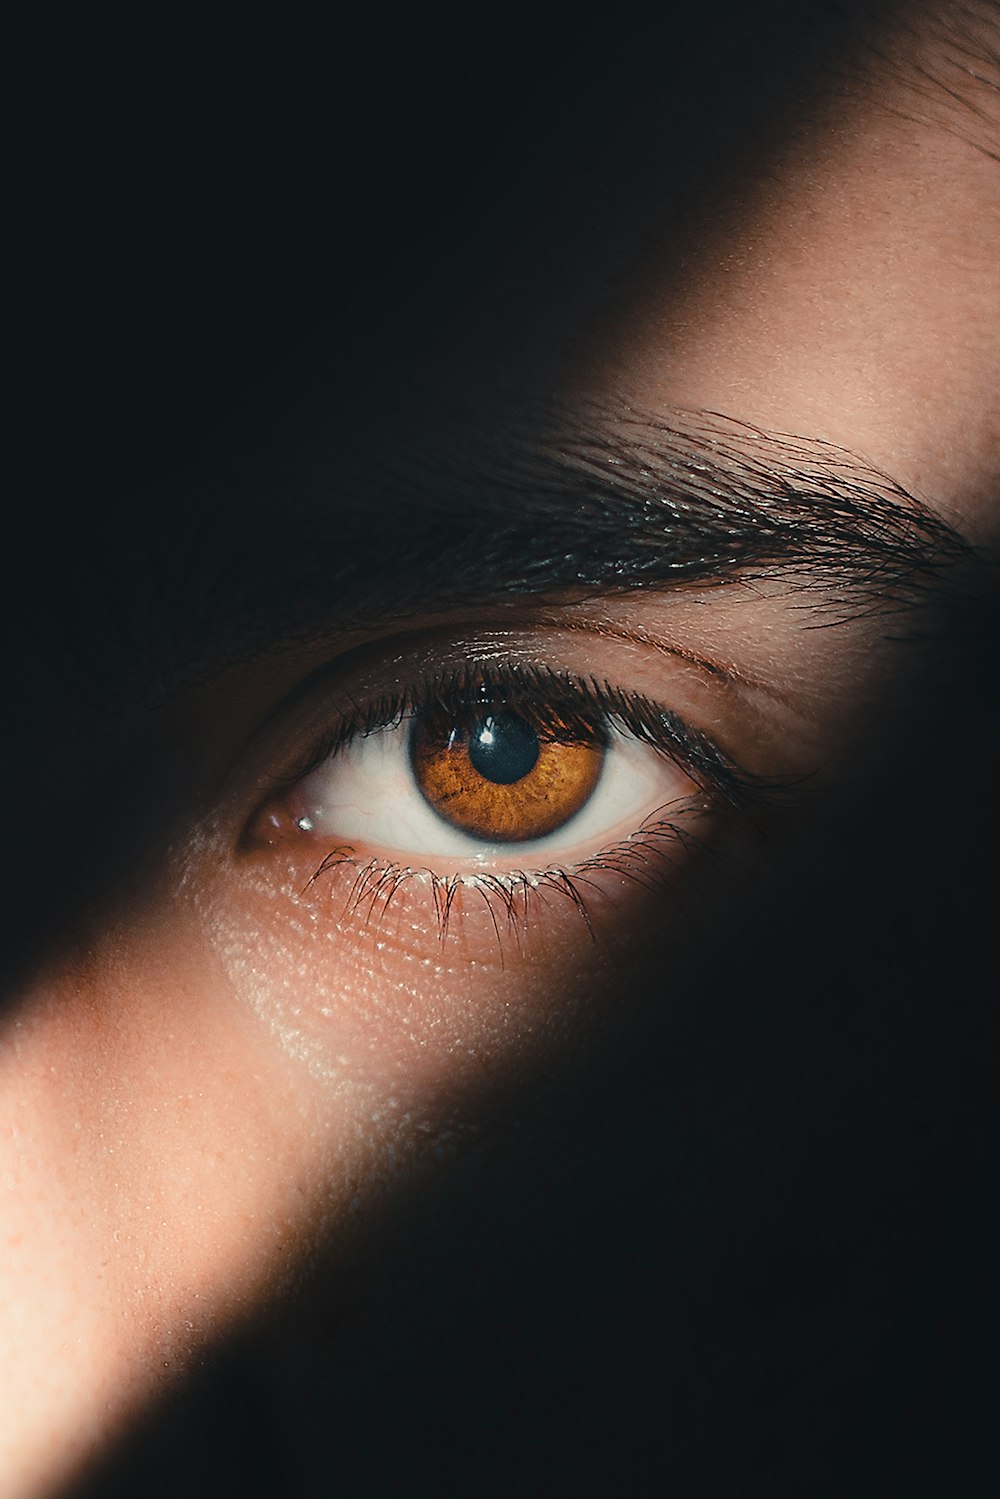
(439, 807)
(493, 765)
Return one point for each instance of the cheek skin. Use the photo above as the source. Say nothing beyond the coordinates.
(195, 1093)
(151, 1180)
(168, 1157)
(372, 996)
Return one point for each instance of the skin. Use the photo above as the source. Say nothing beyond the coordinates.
(199, 1081)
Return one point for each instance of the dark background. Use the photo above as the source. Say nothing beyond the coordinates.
(747, 1247)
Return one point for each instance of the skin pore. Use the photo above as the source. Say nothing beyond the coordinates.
(237, 1042)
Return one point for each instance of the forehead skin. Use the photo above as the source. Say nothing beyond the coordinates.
(843, 282)
(851, 291)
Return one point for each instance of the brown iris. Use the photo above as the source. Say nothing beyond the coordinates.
(500, 777)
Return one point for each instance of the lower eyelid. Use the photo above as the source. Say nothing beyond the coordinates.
(487, 907)
(362, 965)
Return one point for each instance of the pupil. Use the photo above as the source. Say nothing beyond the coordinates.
(503, 748)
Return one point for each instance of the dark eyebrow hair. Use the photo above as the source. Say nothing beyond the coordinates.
(550, 504)
(616, 497)
(947, 57)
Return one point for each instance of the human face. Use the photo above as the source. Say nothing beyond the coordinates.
(664, 538)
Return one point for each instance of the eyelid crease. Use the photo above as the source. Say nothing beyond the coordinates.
(636, 635)
(639, 636)
(731, 673)
(522, 615)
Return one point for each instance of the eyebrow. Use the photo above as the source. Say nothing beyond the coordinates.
(952, 75)
(550, 504)
(595, 496)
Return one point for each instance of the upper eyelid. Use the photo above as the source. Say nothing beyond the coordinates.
(730, 672)
(698, 755)
(375, 647)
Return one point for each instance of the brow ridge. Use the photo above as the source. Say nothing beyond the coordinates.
(552, 502)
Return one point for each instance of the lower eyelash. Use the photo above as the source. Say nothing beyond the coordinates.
(512, 896)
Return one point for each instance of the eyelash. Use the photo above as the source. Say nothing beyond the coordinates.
(555, 703)
(552, 702)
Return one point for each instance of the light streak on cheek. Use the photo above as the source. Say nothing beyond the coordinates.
(268, 942)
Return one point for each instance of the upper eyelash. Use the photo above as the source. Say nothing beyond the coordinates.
(549, 698)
